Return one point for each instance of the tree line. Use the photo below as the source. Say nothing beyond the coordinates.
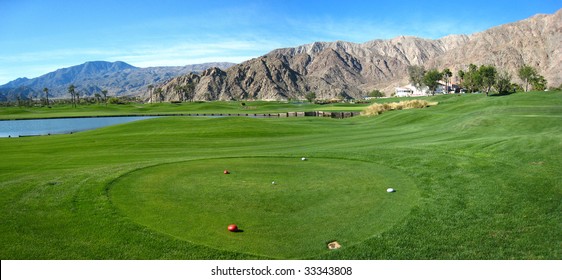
(75, 99)
(75, 96)
(485, 78)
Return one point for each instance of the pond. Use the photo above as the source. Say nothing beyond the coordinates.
(18, 128)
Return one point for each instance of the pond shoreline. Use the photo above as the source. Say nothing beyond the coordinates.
(330, 114)
(42, 127)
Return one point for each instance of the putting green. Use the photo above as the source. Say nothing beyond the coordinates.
(311, 203)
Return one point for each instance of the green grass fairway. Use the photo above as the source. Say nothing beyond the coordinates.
(311, 203)
(133, 109)
(477, 177)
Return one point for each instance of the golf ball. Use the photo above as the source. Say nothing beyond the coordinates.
(390, 190)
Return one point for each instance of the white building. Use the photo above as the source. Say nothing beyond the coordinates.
(410, 90)
(403, 92)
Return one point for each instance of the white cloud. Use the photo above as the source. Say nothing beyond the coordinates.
(34, 64)
(183, 53)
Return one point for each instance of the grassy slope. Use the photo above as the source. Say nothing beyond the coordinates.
(487, 169)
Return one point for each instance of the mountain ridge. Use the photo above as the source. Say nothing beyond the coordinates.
(349, 70)
(118, 78)
(342, 69)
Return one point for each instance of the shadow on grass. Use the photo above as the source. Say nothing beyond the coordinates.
(501, 94)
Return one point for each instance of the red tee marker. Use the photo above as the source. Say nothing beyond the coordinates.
(232, 228)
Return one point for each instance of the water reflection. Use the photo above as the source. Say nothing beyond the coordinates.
(18, 128)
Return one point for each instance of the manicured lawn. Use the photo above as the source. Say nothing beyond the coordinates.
(284, 207)
(482, 176)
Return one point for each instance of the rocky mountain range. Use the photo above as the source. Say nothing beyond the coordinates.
(330, 69)
(118, 78)
(343, 69)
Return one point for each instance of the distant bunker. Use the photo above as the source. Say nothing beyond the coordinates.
(310, 203)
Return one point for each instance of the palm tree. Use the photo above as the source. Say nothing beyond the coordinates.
(72, 91)
(447, 76)
(461, 76)
(46, 91)
(151, 92)
(104, 92)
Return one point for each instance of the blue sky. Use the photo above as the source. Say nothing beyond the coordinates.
(40, 36)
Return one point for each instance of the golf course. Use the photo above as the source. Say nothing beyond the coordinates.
(474, 177)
